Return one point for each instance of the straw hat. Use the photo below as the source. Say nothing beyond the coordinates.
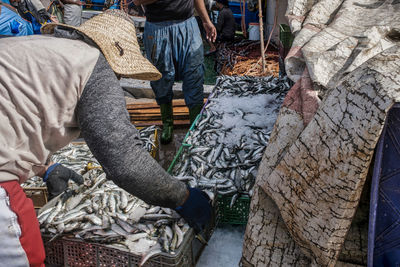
(114, 33)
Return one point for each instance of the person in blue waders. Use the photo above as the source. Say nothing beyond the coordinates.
(173, 44)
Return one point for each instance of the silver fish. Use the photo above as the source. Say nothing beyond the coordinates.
(100, 211)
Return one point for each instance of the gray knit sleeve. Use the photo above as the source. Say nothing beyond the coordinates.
(114, 141)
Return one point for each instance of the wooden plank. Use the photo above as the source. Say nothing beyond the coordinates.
(139, 123)
(152, 117)
(157, 110)
(175, 102)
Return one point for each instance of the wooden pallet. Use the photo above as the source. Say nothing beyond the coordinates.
(146, 114)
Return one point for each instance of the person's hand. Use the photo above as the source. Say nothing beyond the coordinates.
(196, 210)
(79, 3)
(211, 32)
(45, 16)
(57, 177)
(54, 19)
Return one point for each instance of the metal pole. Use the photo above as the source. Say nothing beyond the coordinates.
(261, 34)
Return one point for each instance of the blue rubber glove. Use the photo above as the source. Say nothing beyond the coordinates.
(15, 26)
(57, 177)
(196, 210)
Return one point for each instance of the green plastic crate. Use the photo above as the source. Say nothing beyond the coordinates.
(285, 36)
(180, 150)
(237, 215)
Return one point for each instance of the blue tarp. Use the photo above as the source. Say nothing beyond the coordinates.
(250, 16)
(35, 24)
(12, 24)
(384, 224)
(99, 4)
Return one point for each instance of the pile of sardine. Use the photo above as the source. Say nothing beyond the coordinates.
(225, 147)
(229, 54)
(77, 156)
(100, 211)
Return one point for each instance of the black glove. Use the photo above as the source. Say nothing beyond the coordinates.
(196, 210)
(57, 177)
(44, 15)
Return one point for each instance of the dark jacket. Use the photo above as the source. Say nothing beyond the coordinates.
(165, 10)
(226, 25)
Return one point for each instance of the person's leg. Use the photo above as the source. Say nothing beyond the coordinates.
(191, 67)
(72, 14)
(158, 51)
(21, 242)
(212, 49)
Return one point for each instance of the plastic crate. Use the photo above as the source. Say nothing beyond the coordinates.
(286, 40)
(285, 36)
(112, 257)
(66, 251)
(54, 252)
(78, 253)
(184, 144)
(237, 215)
(38, 196)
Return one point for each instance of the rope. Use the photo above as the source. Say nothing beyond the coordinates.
(270, 35)
(124, 5)
(243, 13)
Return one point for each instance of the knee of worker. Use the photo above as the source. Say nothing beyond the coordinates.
(163, 89)
(72, 15)
(192, 86)
(195, 96)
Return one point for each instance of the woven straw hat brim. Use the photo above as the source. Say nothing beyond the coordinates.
(117, 40)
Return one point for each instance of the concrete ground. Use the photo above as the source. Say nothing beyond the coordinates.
(224, 248)
(166, 153)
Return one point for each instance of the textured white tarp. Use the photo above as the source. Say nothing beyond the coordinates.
(345, 61)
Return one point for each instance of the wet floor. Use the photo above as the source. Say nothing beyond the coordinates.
(166, 153)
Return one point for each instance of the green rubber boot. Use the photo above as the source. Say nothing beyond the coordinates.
(194, 111)
(168, 123)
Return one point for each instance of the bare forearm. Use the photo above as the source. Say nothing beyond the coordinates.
(143, 2)
(202, 11)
